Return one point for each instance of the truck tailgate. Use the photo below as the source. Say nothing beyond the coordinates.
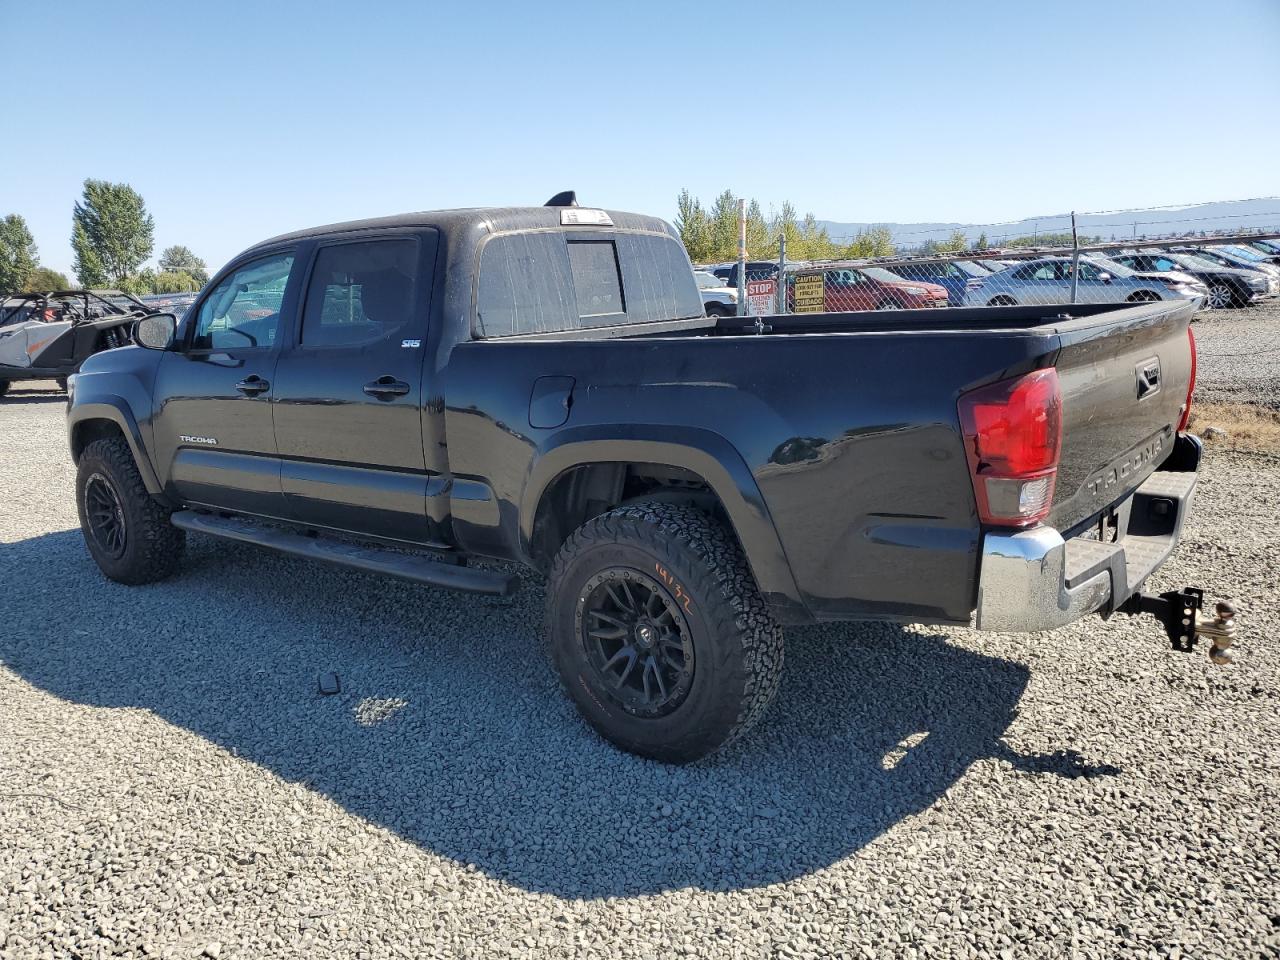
(1124, 377)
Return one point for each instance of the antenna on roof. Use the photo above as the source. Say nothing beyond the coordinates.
(566, 198)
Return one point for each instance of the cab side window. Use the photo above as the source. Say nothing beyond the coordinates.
(243, 310)
(360, 293)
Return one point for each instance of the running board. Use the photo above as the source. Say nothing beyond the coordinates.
(370, 559)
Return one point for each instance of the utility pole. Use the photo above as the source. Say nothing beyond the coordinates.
(1075, 258)
(742, 257)
(782, 271)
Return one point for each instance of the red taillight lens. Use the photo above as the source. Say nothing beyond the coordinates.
(1191, 384)
(1013, 438)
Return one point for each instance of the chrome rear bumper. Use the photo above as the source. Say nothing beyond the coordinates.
(1033, 580)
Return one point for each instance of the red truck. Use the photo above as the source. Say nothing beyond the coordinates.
(870, 288)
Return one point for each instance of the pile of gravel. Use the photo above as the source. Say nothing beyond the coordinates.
(172, 783)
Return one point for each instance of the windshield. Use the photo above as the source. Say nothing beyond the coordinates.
(1191, 261)
(971, 268)
(1214, 257)
(1118, 269)
(1246, 253)
(881, 274)
(706, 280)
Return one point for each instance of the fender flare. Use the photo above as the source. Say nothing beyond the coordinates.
(703, 452)
(116, 410)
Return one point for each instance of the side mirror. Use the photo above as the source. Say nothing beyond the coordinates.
(1104, 277)
(155, 332)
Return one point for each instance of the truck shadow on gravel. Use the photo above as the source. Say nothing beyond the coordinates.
(451, 729)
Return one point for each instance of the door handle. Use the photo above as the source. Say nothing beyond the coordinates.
(384, 388)
(252, 386)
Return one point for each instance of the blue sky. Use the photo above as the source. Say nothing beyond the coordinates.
(238, 121)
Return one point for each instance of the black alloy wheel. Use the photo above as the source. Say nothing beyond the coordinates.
(105, 516)
(637, 641)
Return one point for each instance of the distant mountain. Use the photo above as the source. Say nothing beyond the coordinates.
(1233, 217)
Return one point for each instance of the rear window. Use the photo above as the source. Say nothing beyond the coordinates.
(596, 282)
(552, 281)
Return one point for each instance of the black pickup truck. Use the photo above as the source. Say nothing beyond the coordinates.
(540, 385)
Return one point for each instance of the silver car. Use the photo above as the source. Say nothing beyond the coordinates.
(1048, 280)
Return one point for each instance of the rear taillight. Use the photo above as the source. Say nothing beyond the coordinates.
(1191, 384)
(1013, 438)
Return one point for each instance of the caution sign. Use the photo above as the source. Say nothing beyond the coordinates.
(810, 294)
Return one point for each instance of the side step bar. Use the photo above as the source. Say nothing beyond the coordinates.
(371, 559)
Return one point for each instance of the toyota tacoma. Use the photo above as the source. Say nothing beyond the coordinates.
(540, 385)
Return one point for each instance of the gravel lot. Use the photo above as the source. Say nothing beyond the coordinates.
(1239, 353)
(172, 784)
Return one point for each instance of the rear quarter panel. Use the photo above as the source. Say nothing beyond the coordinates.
(848, 445)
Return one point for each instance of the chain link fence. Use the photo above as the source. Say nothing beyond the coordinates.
(1100, 257)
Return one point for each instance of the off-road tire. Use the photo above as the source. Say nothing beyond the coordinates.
(737, 644)
(153, 546)
(717, 310)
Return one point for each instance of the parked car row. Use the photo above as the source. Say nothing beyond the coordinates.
(1221, 276)
(1094, 280)
(1217, 276)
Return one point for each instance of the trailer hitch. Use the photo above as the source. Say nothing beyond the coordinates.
(1180, 611)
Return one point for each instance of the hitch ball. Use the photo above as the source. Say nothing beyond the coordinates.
(1221, 630)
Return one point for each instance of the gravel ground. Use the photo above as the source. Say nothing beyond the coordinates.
(1239, 353)
(171, 783)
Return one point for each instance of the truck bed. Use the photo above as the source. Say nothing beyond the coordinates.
(846, 426)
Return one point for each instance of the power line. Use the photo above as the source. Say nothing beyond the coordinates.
(1047, 220)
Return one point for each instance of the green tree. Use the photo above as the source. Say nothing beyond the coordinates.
(111, 233)
(873, 242)
(692, 225)
(175, 281)
(723, 227)
(43, 280)
(18, 257)
(957, 243)
(784, 223)
(180, 259)
(806, 239)
(139, 284)
(981, 243)
(712, 236)
(1048, 240)
(758, 233)
(815, 242)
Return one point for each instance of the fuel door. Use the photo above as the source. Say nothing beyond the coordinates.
(550, 401)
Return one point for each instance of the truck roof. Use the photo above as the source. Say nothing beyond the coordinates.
(487, 219)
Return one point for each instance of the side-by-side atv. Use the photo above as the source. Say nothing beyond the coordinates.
(46, 336)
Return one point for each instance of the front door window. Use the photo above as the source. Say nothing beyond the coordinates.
(243, 310)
